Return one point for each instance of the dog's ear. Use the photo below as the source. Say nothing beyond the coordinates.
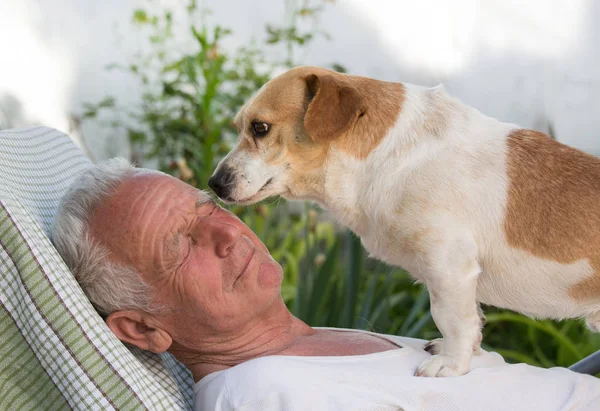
(332, 107)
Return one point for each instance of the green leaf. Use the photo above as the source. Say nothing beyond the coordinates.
(417, 328)
(140, 16)
(388, 303)
(365, 311)
(319, 288)
(415, 311)
(544, 326)
(136, 136)
(353, 276)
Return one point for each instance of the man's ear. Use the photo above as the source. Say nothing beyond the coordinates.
(140, 329)
(333, 107)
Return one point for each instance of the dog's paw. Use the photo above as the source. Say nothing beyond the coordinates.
(442, 366)
(435, 346)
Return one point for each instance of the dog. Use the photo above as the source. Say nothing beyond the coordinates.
(478, 210)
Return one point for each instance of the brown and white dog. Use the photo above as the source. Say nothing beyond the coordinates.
(476, 209)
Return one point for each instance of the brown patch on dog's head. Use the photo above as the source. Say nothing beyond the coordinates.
(333, 107)
(553, 208)
(352, 113)
(309, 111)
(377, 107)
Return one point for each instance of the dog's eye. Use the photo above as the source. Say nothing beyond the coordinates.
(260, 129)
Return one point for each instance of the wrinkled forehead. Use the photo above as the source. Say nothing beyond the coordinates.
(142, 209)
(146, 195)
(148, 180)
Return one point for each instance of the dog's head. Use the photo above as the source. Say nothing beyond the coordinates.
(286, 133)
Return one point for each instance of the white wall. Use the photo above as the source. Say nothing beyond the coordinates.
(528, 62)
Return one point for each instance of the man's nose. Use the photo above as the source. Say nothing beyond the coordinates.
(224, 237)
(222, 182)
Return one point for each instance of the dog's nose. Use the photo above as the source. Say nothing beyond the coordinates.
(221, 183)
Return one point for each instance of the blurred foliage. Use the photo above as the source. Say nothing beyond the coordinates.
(184, 124)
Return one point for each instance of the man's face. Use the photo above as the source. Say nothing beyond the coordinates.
(205, 265)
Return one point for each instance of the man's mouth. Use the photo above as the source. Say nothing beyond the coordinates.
(246, 264)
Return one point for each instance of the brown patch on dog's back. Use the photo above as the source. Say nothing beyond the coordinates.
(553, 208)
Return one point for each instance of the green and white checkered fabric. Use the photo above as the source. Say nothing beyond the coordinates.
(56, 352)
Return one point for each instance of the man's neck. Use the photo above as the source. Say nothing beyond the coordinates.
(275, 333)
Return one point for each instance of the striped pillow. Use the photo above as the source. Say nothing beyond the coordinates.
(55, 350)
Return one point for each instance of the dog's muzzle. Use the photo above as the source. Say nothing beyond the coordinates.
(222, 183)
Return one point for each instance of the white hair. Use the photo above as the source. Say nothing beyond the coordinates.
(110, 286)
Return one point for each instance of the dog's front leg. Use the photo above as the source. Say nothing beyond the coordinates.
(435, 346)
(454, 310)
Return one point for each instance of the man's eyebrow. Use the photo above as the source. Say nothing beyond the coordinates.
(200, 202)
(203, 198)
(173, 243)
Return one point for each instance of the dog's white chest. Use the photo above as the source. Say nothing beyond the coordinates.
(369, 207)
(381, 246)
(385, 241)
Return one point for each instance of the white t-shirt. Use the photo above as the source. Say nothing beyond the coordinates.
(385, 381)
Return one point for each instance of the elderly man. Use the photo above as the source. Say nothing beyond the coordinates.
(172, 271)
